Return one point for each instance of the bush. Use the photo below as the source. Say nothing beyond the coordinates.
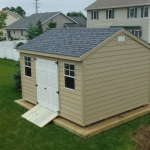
(19, 44)
(17, 77)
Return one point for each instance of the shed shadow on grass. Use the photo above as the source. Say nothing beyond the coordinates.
(142, 137)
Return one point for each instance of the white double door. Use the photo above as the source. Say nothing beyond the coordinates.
(47, 84)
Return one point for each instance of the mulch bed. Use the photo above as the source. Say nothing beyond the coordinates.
(142, 137)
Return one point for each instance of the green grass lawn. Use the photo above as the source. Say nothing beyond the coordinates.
(18, 134)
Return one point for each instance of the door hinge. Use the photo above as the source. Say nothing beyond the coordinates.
(57, 92)
(56, 62)
(35, 59)
(36, 85)
(58, 112)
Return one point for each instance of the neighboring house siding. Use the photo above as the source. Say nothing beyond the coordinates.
(10, 19)
(120, 17)
(17, 34)
(70, 101)
(116, 79)
(60, 19)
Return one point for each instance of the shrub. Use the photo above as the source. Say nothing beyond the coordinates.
(19, 44)
(17, 76)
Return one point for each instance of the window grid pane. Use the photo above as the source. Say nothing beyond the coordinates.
(145, 11)
(69, 76)
(27, 62)
(132, 13)
(110, 14)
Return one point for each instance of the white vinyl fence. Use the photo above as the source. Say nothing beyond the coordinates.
(7, 49)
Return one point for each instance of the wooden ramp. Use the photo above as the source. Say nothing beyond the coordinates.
(40, 116)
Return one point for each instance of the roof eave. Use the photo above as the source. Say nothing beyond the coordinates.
(49, 55)
(86, 9)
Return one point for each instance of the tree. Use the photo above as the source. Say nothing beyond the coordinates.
(39, 28)
(51, 25)
(74, 14)
(18, 10)
(31, 32)
(3, 17)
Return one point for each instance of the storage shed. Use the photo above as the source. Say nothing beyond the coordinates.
(86, 75)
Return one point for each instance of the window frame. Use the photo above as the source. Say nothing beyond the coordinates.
(111, 13)
(138, 33)
(28, 67)
(144, 11)
(95, 11)
(130, 12)
(69, 76)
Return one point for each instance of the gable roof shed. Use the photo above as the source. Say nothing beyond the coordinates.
(86, 75)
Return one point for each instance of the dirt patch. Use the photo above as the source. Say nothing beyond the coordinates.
(143, 137)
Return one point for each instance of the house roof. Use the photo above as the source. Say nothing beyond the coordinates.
(69, 42)
(80, 20)
(11, 13)
(103, 4)
(73, 25)
(24, 22)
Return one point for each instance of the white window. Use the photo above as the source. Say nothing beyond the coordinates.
(27, 63)
(95, 14)
(69, 75)
(132, 12)
(145, 12)
(137, 33)
(110, 14)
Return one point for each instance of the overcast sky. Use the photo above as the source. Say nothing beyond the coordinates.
(48, 5)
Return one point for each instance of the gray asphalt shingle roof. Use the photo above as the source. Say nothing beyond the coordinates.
(23, 23)
(69, 42)
(73, 25)
(80, 20)
(116, 3)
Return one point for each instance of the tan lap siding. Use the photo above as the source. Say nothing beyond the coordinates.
(70, 101)
(116, 79)
(28, 84)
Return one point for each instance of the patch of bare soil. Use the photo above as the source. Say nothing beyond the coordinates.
(143, 137)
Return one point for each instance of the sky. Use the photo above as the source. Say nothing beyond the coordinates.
(48, 5)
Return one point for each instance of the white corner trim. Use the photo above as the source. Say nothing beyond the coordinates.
(149, 24)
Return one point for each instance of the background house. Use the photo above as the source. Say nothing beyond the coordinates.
(82, 23)
(131, 14)
(18, 29)
(11, 18)
(86, 75)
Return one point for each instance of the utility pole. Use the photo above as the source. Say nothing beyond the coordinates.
(36, 6)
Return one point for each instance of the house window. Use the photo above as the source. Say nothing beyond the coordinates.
(94, 14)
(145, 12)
(14, 31)
(21, 33)
(132, 12)
(110, 13)
(27, 62)
(69, 75)
(137, 33)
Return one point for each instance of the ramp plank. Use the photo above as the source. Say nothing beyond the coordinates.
(40, 116)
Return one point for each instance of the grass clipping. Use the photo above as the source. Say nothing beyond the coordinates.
(142, 137)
